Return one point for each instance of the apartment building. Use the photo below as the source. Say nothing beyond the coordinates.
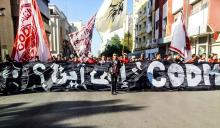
(203, 22)
(154, 24)
(143, 17)
(200, 18)
(60, 29)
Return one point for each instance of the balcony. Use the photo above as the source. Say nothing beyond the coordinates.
(149, 12)
(198, 30)
(149, 28)
(198, 22)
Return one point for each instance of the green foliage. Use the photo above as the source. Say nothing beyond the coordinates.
(128, 41)
(114, 46)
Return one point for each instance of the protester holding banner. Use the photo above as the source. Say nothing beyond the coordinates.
(103, 60)
(114, 69)
(125, 59)
(158, 57)
(214, 59)
(91, 59)
(142, 58)
(202, 58)
(193, 59)
(178, 59)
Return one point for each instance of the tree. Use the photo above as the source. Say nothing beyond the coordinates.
(128, 41)
(114, 46)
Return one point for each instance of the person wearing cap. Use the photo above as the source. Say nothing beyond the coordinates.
(114, 69)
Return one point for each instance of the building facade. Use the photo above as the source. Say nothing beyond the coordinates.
(200, 19)
(6, 28)
(143, 17)
(60, 29)
(201, 22)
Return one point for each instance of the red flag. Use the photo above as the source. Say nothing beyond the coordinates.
(81, 41)
(180, 41)
(216, 36)
(31, 39)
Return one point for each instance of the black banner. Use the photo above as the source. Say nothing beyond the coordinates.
(18, 77)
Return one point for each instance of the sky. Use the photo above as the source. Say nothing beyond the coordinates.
(76, 10)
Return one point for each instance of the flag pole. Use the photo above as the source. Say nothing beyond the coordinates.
(123, 43)
(99, 34)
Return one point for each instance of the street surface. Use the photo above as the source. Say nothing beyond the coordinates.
(102, 110)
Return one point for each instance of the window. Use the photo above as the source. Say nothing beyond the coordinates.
(140, 27)
(157, 25)
(202, 40)
(140, 12)
(145, 9)
(136, 27)
(145, 24)
(205, 5)
(144, 39)
(51, 11)
(198, 6)
(139, 41)
(164, 23)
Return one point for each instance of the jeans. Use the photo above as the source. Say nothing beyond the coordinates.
(114, 83)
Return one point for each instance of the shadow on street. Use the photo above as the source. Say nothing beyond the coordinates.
(50, 114)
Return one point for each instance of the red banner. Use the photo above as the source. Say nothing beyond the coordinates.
(31, 39)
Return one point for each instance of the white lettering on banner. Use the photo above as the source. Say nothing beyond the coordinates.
(123, 73)
(5, 73)
(123, 76)
(101, 81)
(138, 64)
(150, 71)
(14, 73)
(58, 69)
(208, 71)
(193, 75)
(82, 76)
(137, 68)
(158, 74)
(176, 74)
(36, 72)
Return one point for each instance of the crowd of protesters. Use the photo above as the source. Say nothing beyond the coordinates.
(212, 58)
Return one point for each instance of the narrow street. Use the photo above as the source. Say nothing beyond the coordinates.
(102, 110)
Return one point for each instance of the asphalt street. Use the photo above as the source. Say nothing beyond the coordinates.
(102, 110)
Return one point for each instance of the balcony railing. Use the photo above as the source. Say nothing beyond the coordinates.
(197, 30)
